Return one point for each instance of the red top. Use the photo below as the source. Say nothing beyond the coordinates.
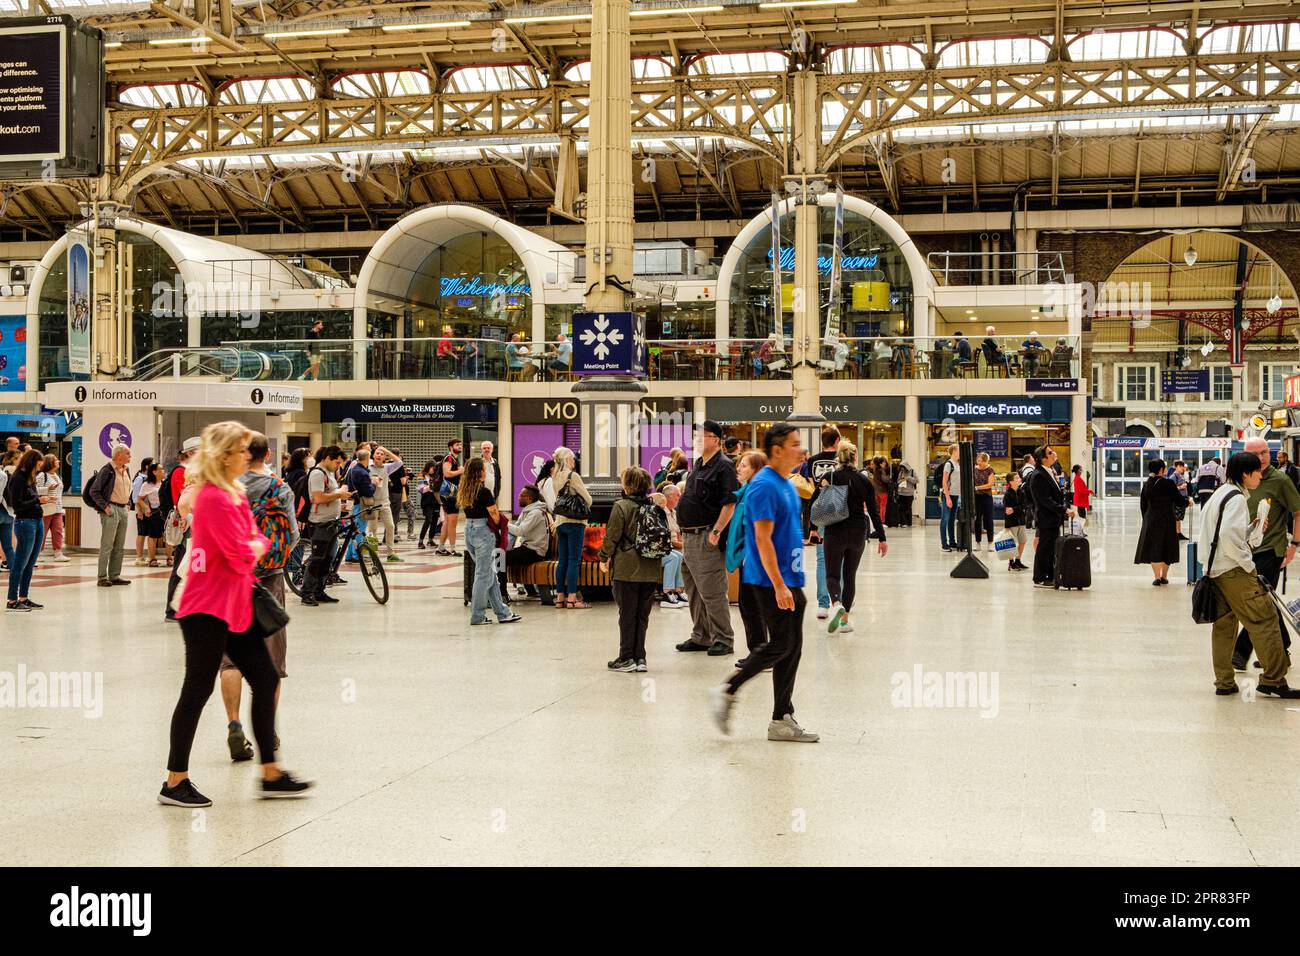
(1081, 492)
(178, 482)
(222, 562)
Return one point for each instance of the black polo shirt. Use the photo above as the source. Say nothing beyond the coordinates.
(709, 487)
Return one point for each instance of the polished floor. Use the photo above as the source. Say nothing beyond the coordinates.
(1091, 734)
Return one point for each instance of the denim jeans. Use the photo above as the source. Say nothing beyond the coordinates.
(568, 555)
(7, 538)
(823, 594)
(672, 562)
(948, 521)
(27, 533)
(482, 545)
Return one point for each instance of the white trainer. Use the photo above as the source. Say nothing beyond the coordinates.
(837, 617)
(845, 627)
(823, 613)
(787, 729)
(720, 704)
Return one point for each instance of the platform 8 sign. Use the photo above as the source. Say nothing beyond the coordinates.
(609, 343)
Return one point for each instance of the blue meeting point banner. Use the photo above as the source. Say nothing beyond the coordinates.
(609, 343)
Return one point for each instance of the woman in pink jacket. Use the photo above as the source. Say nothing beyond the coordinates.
(216, 613)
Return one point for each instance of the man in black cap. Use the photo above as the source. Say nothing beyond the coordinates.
(703, 514)
(731, 448)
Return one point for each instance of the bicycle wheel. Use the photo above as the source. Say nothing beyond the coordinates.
(297, 567)
(372, 571)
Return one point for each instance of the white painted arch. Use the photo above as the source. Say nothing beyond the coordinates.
(206, 266)
(392, 261)
(922, 282)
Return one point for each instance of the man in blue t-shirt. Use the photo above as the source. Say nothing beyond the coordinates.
(771, 586)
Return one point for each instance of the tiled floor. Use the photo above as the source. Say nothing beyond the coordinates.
(432, 744)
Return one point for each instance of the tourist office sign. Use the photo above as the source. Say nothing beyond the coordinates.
(609, 343)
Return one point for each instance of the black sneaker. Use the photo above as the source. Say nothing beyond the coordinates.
(1281, 691)
(324, 598)
(283, 787)
(641, 666)
(334, 579)
(622, 666)
(240, 748)
(740, 661)
(171, 618)
(1238, 663)
(1227, 691)
(509, 620)
(31, 605)
(20, 606)
(691, 646)
(182, 795)
(719, 649)
(309, 601)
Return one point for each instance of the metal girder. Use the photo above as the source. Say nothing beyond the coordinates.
(747, 110)
(1232, 169)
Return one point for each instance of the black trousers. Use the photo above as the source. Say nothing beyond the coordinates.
(207, 638)
(1269, 567)
(781, 650)
(634, 600)
(751, 616)
(323, 538)
(843, 550)
(983, 516)
(430, 509)
(175, 580)
(1045, 553)
(905, 510)
(519, 557)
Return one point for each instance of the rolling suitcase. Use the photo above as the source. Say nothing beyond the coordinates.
(1073, 561)
(469, 576)
(891, 512)
(1194, 569)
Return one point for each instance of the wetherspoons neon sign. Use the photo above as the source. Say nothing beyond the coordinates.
(455, 285)
(824, 262)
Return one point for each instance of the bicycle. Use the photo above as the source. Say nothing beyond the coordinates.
(372, 568)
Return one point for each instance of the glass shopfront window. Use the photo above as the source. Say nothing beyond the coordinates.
(876, 283)
(285, 325)
(681, 321)
(474, 286)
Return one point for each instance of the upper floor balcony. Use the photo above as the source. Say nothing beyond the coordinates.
(696, 360)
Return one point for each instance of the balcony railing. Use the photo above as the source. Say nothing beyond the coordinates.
(997, 268)
(469, 359)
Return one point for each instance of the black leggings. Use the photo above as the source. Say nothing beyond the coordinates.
(206, 639)
(983, 516)
(429, 508)
(843, 551)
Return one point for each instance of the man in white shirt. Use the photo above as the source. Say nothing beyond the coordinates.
(1231, 568)
(491, 469)
(382, 464)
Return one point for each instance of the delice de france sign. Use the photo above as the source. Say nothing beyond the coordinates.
(961, 408)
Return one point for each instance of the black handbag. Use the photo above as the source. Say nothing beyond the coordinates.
(269, 614)
(569, 504)
(1205, 597)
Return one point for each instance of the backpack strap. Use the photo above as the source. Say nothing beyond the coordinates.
(1214, 544)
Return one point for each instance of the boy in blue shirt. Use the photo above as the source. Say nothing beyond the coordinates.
(771, 588)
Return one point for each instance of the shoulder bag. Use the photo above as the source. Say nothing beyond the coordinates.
(269, 614)
(1205, 599)
(831, 506)
(569, 504)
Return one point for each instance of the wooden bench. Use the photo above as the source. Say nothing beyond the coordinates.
(592, 580)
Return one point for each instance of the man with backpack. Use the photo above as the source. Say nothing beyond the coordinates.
(173, 523)
(272, 503)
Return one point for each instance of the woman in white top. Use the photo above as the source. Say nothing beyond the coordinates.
(1242, 596)
(146, 468)
(569, 531)
(49, 488)
(148, 513)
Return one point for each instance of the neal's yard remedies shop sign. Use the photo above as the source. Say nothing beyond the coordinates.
(408, 410)
(999, 408)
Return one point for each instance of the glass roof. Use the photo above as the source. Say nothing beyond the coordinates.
(1002, 50)
(285, 89)
(1125, 44)
(479, 79)
(643, 68)
(162, 95)
(1251, 38)
(383, 83)
(877, 58)
(728, 64)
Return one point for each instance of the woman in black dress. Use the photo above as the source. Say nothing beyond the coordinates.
(1158, 542)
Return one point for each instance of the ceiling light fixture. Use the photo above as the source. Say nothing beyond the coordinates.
(673, 11)
(1274, 304)
(444, 25)
(1207, 348)
(1190, 255)
(112, 44)
(309, 32)
(549, 18)
(179, 41)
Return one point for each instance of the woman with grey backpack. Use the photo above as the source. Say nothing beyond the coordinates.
(636, 540)
(844, 536)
